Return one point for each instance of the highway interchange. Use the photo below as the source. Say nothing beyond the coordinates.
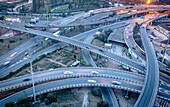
(107, 54)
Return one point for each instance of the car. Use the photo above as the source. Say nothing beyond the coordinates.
(26, 53)
(91, 81)
(26, 79)
(52, 25)
(88, 47)
(143, 53)
(68, 72)
(123, 23)
(7, 62)
(35, 45)
(116, 82)
(94, 72)
(133, 48)
(101, 50)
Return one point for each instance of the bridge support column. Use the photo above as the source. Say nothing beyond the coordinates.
(75, 47)
(97, 57)
(29, 36)
(129, 69)
(72, 48)
(161, 103)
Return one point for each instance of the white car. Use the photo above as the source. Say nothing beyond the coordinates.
(68, 72)
(116, 82)
(91, 81)
(94, 72)
(7, 62)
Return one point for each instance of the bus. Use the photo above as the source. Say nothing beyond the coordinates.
(57, 33)
(75, 63)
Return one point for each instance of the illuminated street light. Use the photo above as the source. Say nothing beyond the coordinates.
(148, 2)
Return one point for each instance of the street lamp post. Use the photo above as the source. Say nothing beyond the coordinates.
(46, 2)
(117, 11)
(30, 57)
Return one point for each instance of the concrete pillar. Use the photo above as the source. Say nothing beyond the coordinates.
(29, 36)
(160, 104)
(97, 57)
(75, 47)
(72, 48)
(129, 69)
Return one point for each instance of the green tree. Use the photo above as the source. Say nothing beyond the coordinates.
(21, 101)
(46, 101)
(102, 104)
(42, 97)
(108, 32)
(2, 17)
(96, 91)
(63, 14)
(51, 97)
(138, 41)
(10, 104)
(70, 6)
(54, 105)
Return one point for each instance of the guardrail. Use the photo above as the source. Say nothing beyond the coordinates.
(152, 66)
(66, 76)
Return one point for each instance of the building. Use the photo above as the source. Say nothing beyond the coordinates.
(160, 45)
(164, 29)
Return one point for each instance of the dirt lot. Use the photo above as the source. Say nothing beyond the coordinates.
(62, 58)
(6, 46)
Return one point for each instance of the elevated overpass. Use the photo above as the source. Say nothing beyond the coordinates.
(93, 23)
(119, 59)
(40, 77)
(150, 89)
(71, 83)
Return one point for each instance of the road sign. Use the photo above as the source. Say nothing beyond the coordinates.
(142, 17)
(44, 44)
(38, 41)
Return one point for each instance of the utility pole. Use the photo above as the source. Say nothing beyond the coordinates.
(30, 57)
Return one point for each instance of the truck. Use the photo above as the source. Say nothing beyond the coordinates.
(97, 33)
